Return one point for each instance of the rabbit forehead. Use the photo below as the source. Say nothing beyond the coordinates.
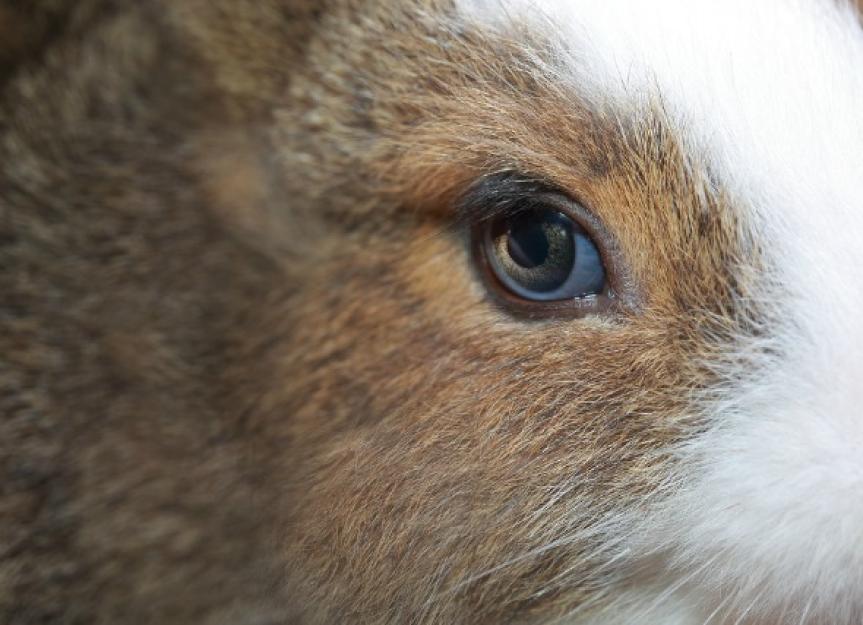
(766, 96)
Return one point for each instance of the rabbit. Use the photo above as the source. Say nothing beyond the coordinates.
(431, 312)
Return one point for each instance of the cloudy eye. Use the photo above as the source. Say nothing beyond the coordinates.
(542, 255)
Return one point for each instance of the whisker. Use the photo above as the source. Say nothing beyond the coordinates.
(680, 583)
(806, 610)
(719, 608)
(748, 609)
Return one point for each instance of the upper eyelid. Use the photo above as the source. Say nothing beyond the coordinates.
(500, 194)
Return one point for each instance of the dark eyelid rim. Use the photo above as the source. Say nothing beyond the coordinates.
(507, 193)
(499, 195)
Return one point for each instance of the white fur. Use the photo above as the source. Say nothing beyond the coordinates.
(768, 514)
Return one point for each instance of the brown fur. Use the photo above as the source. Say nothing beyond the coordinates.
(248, 373)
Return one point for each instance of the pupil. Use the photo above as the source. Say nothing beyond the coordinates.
(527, 243)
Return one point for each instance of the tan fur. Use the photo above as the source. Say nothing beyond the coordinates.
(248, 372)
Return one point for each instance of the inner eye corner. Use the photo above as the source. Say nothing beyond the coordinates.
(547, 256)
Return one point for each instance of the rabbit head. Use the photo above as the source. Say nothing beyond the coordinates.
(427, 311)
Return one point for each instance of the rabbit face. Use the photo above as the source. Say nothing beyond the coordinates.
(687, 453)
(435, 312)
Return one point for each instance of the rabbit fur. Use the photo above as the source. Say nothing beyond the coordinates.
(250, 374)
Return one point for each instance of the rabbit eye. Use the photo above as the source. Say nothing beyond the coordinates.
(542, 255)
